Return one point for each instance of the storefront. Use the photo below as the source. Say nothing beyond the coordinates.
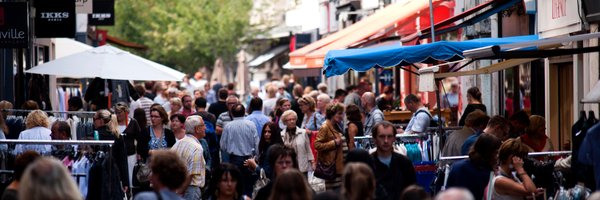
(567, 78)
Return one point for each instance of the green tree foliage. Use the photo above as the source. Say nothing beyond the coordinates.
(184, 34)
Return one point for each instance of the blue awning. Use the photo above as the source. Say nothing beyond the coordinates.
(338, 62)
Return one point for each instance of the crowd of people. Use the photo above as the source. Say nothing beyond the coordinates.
(211, 143)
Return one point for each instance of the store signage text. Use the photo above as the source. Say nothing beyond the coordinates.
(14, 30)
(559, 8)
(12, 34)
(55, 16)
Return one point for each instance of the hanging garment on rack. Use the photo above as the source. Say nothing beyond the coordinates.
(589, 153)
(81, 166)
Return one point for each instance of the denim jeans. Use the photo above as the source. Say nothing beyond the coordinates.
(192, 193)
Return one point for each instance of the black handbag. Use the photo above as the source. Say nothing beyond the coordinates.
(327, 172)
(141, 173)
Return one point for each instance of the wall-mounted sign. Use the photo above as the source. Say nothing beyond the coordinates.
(104, 13)
(83, 6)
(54, 18)
(14, 29)
(558, 17)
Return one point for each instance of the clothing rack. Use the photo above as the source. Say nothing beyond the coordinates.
(397, 136)
(60, 142)
(532, 154)
(50, 111)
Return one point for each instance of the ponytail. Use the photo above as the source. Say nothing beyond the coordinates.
(113, 125)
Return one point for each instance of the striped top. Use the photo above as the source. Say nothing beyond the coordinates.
(191, 152)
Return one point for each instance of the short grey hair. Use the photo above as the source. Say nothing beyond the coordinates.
(369, 98)
(192, 122)
(455, 194)
(324, 97)
(287, 114)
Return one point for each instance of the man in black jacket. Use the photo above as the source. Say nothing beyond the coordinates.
(393, 171)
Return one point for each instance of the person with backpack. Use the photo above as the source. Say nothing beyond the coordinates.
(421, 118)
(374, 114)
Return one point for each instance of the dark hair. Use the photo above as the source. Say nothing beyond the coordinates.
(186, 96)
(63, 127)
(520, 116)
(482, 151)
(512, 147)
(291, 185)
(350, 88)
(24, 160)
(359, 155)
(256, 104)
(140, 116)
(238, 110)
(223, 93)
(277, 151)
(170, 169)
(163, 114)
(76, 102)
(353, 113)
(340, 92)
(275, 137)
(217, 176)
(30, 105)
(475, 93)
(333, 109)
(411, 98)
(230, 86)
(498, 121)
(477, 118)
(277, 111)
(384, 124)
(140, 90)
(414, 192)
(179, 117)
(200, 102)
(149, 85)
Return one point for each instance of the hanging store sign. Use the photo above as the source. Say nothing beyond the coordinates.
(104, 13)
(558, 17)
(54, 19)
(83, 6)
(14, 29)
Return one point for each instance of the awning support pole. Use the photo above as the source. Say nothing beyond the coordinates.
(439, 110)
(463, 66)
(408, 70)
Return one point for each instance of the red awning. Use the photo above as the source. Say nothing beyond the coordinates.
(312, 55)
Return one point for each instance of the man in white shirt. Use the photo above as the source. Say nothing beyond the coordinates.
(421, 116)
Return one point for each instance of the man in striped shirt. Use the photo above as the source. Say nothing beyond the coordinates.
(191, 152)
(143, 102)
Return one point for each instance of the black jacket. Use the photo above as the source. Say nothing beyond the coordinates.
(131, 134)
(395, 178)
(107, 175)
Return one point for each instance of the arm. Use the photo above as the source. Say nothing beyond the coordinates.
(223, 142)
(509, 187)
(324, 143)
(352, 130)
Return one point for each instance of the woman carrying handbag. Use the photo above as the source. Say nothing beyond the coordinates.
(331, 147)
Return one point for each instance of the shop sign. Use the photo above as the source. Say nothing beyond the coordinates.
(14, 30)
(558, 17)
(104, 13)
(386, 77)
(83, 6)
(54, 19)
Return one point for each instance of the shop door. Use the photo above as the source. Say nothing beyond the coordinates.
(561, 117)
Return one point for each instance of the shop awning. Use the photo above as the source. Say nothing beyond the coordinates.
(338, 62)
(268, 55)
(312, 55)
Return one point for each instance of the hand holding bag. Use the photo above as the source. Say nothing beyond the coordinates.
(327, 172)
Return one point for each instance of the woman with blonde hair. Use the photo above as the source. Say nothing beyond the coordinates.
(37, 124)
(107, 127)
(47, 178)
(176, 105)
(291, 185)
(358, 182)
(535, 135)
